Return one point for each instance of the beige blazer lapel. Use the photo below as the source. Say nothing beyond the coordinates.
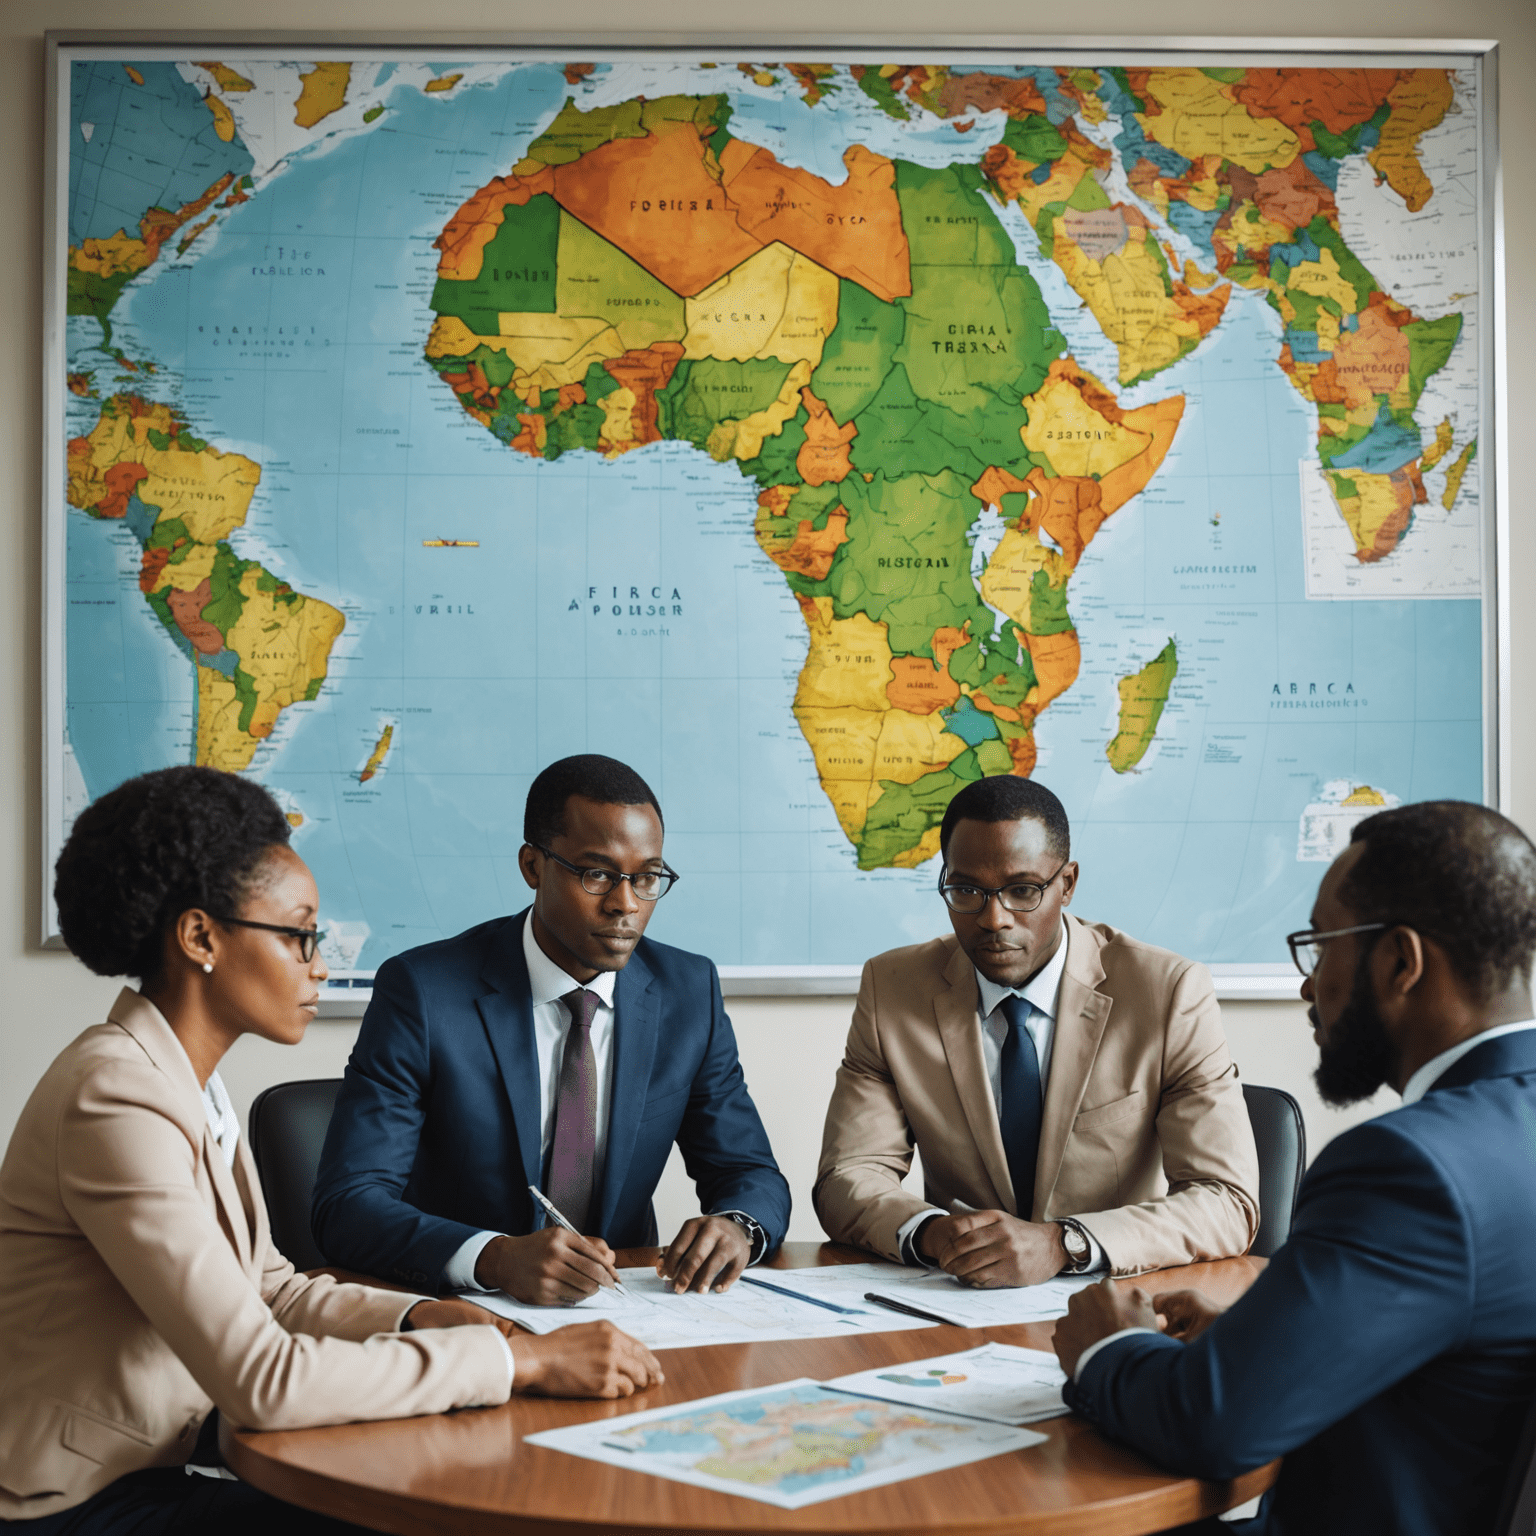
(235, 1215)
(1081, 1016)
(955, 1010)
(149, 1027)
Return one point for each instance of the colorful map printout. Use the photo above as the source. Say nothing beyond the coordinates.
(818, 437)
(790, 1445)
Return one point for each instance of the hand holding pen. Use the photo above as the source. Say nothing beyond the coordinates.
(553, 1212)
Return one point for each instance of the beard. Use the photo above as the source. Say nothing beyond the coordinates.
(1357, 1058)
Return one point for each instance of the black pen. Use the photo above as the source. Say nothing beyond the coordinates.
(901, 1306)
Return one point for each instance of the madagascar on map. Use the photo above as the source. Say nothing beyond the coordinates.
(817, 438)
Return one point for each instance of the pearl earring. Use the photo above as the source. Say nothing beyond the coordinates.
(208, 967)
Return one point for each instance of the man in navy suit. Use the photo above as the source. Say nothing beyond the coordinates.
(1388, 1351)
(558, 1048)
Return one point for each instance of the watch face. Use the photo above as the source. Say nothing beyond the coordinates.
(1075, 1244)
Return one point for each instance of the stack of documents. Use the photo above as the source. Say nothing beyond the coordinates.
(932, 1291)
(753, 1311)
(779, 1304)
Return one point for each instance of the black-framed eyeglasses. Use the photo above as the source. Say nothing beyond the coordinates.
(1307, 945)
(648, 885)
(1021, 896)
(309, 938)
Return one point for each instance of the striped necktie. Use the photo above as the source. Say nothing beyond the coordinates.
(573, 1157)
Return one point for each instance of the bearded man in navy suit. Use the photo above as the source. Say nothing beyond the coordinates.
(561, 1049)
(1388, 1351)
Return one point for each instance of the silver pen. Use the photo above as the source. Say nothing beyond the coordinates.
(560, 1221)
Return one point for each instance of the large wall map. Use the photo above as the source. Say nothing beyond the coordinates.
(817, 437)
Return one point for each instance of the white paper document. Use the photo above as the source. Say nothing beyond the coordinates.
(790, 1445)
(933, 1291)
(995, 1381)
(748, 1313)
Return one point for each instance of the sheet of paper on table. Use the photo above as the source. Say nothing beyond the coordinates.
(745, 1314)
(934, 1291)
(790, 1445)
(1000, 1382)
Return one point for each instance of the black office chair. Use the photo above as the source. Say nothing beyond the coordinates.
(1517, 1509)
(287, 1130)
(1281, 1137)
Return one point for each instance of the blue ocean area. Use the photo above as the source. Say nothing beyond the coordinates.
(123, 166)
(502, 610)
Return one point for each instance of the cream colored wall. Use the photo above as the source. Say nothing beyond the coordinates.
(790, 1048)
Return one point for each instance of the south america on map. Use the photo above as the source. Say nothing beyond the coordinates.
(817, 437)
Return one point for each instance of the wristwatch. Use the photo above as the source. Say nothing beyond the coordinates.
(1079, 1249)
(756, 1237)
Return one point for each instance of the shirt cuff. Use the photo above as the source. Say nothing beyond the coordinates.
(755, 1234)
(459, 1271)
(511, 1362)
(906, 1234)
(1093, 1349)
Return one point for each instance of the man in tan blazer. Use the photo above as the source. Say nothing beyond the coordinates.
(1034, 1049)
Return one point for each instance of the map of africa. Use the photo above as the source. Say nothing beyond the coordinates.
(818, 438)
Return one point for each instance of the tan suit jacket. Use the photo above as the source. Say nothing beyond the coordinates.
(1145, 1137)
(139, 1288)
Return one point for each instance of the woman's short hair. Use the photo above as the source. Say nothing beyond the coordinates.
(151, 849)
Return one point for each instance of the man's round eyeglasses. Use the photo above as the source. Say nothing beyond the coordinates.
(648, 885)
(309, 938)
(1307, 946)
(1021, 896)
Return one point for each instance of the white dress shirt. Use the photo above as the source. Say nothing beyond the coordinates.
(1436, 1068)
(1413, 1090)
(1043, 992)
(221, 1117)
(551, 1024)
(547, 984)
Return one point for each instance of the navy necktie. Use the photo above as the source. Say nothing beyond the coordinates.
(573, 1157)
(1019, 1113)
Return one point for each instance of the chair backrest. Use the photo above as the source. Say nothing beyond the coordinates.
(1281, 1137)
(1517, 1509)
(287, 1129)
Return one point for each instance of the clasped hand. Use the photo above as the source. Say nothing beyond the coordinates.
(992, 1248)
(1098, 1311)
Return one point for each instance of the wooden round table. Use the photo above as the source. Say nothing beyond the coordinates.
(471, 1471)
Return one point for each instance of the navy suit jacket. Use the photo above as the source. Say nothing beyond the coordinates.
(1388, 1351)
(437, 1129)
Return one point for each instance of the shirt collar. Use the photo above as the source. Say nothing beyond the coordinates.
(548, 983)
(1437, 1066)
(1043, 989)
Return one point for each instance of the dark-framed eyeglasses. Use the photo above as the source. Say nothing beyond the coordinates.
(309, 938)
(648, 885)
(1307, 945)
(1020, 896)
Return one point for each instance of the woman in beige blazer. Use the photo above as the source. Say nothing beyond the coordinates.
(139, 1288)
